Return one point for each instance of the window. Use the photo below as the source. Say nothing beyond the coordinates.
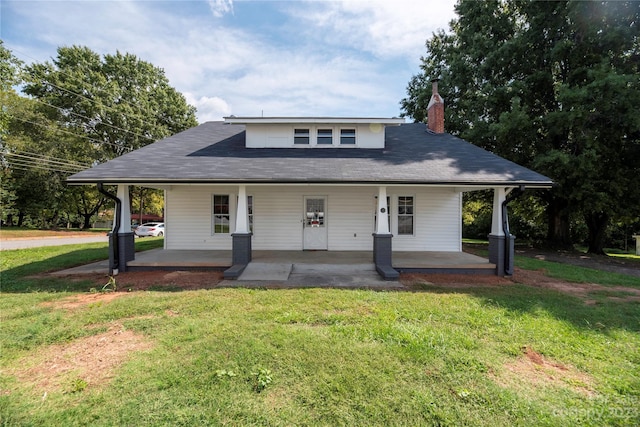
(221, 218)
(325, 136)
(301, 136)
(315, 212)
(347, 136)
(405, 215)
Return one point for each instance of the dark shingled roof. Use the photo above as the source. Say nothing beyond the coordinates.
(214, 152)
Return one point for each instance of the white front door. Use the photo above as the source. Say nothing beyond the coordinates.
(315, 223)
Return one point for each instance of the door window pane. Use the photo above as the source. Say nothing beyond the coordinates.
(315, 213)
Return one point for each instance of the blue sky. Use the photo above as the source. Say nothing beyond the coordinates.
(248, 58)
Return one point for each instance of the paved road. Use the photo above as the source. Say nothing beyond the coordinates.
(50, 241)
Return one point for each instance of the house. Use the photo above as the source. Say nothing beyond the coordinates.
(315, 184)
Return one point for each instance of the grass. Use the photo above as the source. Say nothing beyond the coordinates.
(577, 274)
(325, 357)
(17, 265)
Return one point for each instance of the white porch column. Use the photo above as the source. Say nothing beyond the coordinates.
(499, 195)
(242, 211)
(125, 209)
(382, 214)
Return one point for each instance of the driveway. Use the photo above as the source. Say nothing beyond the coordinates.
(50, 241)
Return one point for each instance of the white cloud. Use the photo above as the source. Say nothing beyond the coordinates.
(209, 108)
(382, 27)
(350, 58)
(219, 8)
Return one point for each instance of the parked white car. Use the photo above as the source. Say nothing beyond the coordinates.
(153, 229)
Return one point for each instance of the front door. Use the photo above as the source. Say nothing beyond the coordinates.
(315, 223)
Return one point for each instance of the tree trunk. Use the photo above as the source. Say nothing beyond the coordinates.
(559, 225)
(597, 223)
(87, 221)
(20, 218)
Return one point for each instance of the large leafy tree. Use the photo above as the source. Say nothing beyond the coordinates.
(103, 107)
(553, 86)
(118, 101)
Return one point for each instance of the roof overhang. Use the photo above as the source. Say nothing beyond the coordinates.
(462, 185)
(391, 121)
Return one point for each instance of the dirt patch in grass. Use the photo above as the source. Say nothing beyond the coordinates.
(83, 363)
(535, 370)
(532, 278)
(76, 301)
(537, 278)
(157, 280)
(416, 280)
(167, 280)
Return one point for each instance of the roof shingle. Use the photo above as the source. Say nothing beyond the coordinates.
(215, 152)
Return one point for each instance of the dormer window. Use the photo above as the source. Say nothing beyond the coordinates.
(347, 136)
(314, 132)
(301, 136)
(325, 137)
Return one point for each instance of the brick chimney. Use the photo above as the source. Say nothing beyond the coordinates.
(435, 110)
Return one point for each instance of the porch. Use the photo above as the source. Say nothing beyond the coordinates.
(404, 262)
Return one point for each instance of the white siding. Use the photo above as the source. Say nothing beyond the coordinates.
(189, 217)
(278, 213)
(277, 218)
(281, 135)
(437, 220)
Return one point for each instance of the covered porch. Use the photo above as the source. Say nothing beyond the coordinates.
(404, 262)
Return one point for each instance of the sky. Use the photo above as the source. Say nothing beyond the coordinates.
(343, 58)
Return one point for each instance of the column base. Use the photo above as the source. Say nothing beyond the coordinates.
(241, 255)
(126, 251)
(498, 254)
(382, 256)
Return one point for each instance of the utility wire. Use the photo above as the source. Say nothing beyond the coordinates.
(73, 133)
(43, 163)
(91, 119)
(46, 160)
(83, 164)
(74, 77)
(25, 164)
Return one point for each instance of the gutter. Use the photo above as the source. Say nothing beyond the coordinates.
(115, 239)
(508, 270)
(271, 181)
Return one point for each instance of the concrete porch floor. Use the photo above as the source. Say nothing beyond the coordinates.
(403, 261)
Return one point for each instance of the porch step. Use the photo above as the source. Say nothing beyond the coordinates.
(266, 271)
(335, 269)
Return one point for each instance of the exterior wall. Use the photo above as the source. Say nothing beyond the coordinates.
(278, 217)
(438, 219)
(188, 217)
(281, 135)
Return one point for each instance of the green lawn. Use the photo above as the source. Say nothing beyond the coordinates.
(318, 356)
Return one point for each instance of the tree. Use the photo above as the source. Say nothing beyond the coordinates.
(103, 107)
(550, 85)
(118, 101)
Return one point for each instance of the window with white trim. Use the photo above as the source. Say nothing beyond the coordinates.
(405, 215)
(325, 137)
(301, 136)
(347, 136)
(221, 218)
